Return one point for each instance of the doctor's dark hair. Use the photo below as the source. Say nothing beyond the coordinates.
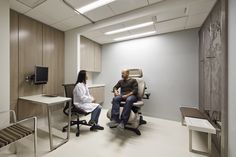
(81, 77)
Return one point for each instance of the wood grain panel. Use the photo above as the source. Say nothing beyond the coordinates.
(98, 93)
(97, 58)
(30, 53)
(53, 57)
(13, 60)
(61, 61)
(213, 52)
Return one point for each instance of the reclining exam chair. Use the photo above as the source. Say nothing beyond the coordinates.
(135, 118)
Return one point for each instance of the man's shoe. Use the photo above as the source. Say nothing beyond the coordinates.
(96, 127)
(113, 124)
(121, 126)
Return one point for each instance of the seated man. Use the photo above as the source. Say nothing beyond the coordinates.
(129, 90)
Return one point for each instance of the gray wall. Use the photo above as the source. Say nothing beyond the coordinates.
(4, 55)
(170, 66)
(4, 61)
(232, 78)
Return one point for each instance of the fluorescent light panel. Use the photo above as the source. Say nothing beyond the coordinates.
(134, 36)
(93, 5)
(129, 28)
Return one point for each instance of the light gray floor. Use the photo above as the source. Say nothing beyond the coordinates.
(159, 137)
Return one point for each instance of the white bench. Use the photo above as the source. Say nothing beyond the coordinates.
(201, 125)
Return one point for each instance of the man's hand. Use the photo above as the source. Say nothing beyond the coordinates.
(124, 97)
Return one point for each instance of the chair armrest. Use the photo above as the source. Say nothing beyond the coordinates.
(28, 119)
(146, 95)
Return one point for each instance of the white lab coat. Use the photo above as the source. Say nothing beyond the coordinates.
(82, 98)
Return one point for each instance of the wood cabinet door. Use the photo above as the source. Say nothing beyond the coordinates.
(97, 58)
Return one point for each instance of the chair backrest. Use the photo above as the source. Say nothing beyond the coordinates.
(69, 88)
(141, 87)
(138, 74)
(68, 93)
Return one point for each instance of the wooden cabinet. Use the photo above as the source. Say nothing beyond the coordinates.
(90, 55)
(97, 58)
(98, 93)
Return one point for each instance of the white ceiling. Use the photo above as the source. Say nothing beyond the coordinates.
(187, 14)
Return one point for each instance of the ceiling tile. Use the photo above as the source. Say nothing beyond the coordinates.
(93, 34)
(79, 3)
(72, 22)
(196, 20)
(171, 14)
(51, 11)
(143, 30)
(200, 6)
(154, 1)
(171, 25)
(100, 13)
(102, 39)
(121, 6)
(19, 7)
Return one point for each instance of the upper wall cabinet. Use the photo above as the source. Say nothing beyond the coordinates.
(90, 55)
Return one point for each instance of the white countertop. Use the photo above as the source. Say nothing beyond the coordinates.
(202, 125)
(95, 85)
(45, 99)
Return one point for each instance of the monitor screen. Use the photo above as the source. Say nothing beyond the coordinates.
(41, 75)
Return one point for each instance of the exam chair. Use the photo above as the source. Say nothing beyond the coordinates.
(135, 118)
(75, 111)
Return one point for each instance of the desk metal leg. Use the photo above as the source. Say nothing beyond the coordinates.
(49, 128)
(69, 119)
(190, 140)
(209, 144)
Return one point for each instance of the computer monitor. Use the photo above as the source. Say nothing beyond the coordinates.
(41, 75)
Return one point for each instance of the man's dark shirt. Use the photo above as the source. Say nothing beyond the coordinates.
(127, 86)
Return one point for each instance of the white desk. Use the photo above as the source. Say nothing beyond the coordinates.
(51, 101)
(201, 125)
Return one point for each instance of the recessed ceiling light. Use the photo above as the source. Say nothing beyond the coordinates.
(93, 5)
(129, 28)
(134, 36)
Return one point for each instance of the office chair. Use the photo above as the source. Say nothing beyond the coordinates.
(135, 118)
(75, 111)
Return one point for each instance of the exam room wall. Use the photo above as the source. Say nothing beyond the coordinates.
(231, 78)
(4, 55)
(170, 69)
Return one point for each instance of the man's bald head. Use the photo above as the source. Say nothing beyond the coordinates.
(125, 74)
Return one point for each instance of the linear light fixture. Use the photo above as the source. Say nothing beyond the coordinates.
(93, 5)
(129, 28)
(134, 36)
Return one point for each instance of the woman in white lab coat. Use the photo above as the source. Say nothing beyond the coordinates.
(83, 100)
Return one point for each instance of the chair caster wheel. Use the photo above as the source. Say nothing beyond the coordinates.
(77, 134)
(138, 132)
(64, 130)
